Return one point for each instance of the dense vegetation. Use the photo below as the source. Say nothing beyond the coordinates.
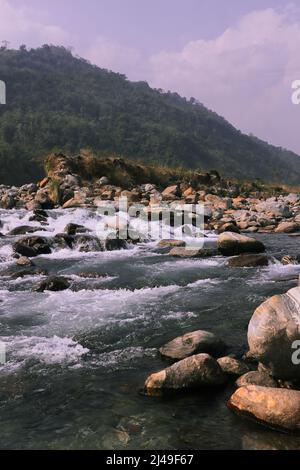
(58, 102)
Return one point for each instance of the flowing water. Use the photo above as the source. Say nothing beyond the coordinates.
(77, 359)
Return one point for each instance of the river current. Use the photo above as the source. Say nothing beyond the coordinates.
(76, 360)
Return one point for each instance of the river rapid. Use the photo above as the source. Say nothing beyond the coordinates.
(77, 359)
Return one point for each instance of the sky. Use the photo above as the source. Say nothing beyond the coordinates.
(238, 57)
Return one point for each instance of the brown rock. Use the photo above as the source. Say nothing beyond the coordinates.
(230, 244)
(193, 372)
(256, 378)
(248, 261)
(272, 407)
(232, 366)
(193, 343)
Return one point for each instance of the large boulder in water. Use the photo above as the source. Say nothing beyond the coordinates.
(272, 407)
(193, 372)
(273, 329)
(193, 343)
(230, 244)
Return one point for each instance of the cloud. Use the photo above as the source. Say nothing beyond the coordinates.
(111, 55)
(244, 74)
(23, 25)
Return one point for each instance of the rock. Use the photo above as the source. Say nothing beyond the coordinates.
(230, 244)
(171, 193)
(111, 244)
(232, 366)
(193, 372)
(7, 202)
(71, 203)
(23, 229)
(72, 229)
(273, 407)
(24, 261)
(29, 271)
(42, 184)
(54, 283)
(87, 243)
(32, 246)
(290, 259)
(181, 252)
(193, 343)
(43, 199)
(228, 227)
(248, 261)
(104, 181)
(273, 328)
(256, 378)
(171, 243)
(288, 227)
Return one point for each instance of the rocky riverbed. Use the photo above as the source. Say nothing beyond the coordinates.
(144, 343)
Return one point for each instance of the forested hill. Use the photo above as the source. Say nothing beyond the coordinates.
(57, 102)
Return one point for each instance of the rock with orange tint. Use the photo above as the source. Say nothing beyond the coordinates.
(193, 372)
(273, 332)
(277, 408)
(196, 342)
(230, 244)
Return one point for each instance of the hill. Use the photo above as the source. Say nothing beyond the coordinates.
(58, 102)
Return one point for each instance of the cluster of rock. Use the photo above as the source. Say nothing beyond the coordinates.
(227, 206)
(267, 377)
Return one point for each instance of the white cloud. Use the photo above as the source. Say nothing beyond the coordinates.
(244, 74)
(117, 57)
(26, 26)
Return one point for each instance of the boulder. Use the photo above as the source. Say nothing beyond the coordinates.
(277, 408)
(32, 246)
(54, 283)
(228, 227)
(182, 252)
(72, 229)
(272, 331)
(255, 377)
(193, 372)
(232, 366)
(24, 261)
(171, 243)
(193, 343)
(23, 229)
(248, 261)
(288, 227)
(230, 244)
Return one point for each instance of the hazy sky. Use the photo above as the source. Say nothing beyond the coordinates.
(238, 57)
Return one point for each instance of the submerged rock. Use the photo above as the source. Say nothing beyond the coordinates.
(248, 261)
(171, 243)
(273, 329)
(272, 407)
(193, 343)
(230, 244)
(182, 252)
(197, 371)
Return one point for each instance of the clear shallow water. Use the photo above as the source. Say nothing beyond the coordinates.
(77, 359)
